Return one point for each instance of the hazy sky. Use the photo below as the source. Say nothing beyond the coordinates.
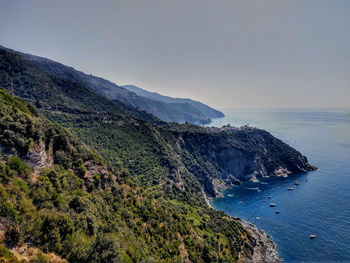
(234, 53)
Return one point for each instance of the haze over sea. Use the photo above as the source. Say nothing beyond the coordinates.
(320, 204)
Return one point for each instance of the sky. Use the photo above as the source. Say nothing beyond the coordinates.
(226, 53)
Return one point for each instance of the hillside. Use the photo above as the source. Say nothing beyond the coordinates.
(160, 153)
(181, 111)
(204, 109)
(164, 166)
(85, 211)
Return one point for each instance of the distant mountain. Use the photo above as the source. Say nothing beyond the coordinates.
(204, 109)
(176, 110)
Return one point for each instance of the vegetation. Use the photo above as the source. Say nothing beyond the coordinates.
(175, 110)
(93, 180)
(101, 217)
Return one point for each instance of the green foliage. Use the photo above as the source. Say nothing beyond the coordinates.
(39, 258)
(104, 250)
(15, 163)
(143, 203)
(121, 224)
(65, 209)
(7, 210)
(7, 256)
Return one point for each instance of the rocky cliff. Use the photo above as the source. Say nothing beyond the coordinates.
(221, 157)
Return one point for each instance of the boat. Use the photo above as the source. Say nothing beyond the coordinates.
(258, 218)
(230, 195)
(312, 236)
(296, 183)
(277, 212)
(253, 188)
(290, 188)
(272, 205)
(269, 196)
(240, 202)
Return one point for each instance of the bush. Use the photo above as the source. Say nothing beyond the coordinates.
(13, 235)
(105, 250)
(7, 210)
(63, 159)
(15, 163)
(80, 168)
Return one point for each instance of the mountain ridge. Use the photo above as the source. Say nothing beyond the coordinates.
(181, 112)
(210, 112)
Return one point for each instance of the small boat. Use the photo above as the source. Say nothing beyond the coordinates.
(258, 218)
(240, 202)
(290, 188)
(269, 196)
(277, 212)
(230, 195)
(312, 236)
(253, 188)
(296, 183)
(272, 205)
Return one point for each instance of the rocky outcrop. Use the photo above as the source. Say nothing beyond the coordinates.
(39, 158)
(264, 250)
(221, 158)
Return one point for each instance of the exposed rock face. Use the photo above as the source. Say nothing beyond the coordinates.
(39, 158)
(264, 249)
(220, 159)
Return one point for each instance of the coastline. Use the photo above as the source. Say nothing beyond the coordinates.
(264, 248)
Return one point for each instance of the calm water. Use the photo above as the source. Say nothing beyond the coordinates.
(320, 205)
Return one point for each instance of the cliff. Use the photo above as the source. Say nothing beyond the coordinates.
(221, 157)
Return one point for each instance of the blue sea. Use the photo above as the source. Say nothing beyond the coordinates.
(320, 204)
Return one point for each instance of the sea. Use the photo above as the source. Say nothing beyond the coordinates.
(319, 205)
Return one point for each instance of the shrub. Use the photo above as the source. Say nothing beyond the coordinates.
(7, 210)
(15, 163)
(63, 159)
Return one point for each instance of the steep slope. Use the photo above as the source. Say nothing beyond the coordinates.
(181, 111)
(181, 159)
(221, 157)
(85, 211)
(175, 165)
(28, 81)
(204, 109)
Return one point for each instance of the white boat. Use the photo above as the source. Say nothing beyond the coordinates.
(290, 188)
(312, 236)
(258, 218)
(272, 205)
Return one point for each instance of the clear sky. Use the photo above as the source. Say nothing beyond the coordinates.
(234, 53)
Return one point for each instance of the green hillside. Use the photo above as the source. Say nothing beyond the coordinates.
(102, 181)
(85, 211)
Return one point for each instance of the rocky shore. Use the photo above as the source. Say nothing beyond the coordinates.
(264, 249)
